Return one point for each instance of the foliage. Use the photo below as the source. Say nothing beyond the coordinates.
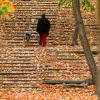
(65, 2)
(85, 4)
(6, 7)
(88, 6)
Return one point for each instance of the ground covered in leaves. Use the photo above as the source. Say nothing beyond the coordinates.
(47, 91)
(50, 92)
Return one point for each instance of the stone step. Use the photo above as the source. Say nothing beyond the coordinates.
(32, 51)
(14, 73)
(30, 70)
(53, 42)
(19, 74)
(68, 77)
(19, 81)
(54, 73)
(32, 82)
(33, 27)
(34, 37)
(73, 57)
(53, 23)
(22, 86)
(19, 71)
(33, 44)
(36, 40)
(22, 44)
(26, 68)
(22, 3)
(27, 61)
(67, 69)
(12, 70)
(15, 64)
(32, 67)
(65, 53)
(23, 67)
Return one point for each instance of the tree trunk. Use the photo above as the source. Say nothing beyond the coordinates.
(83, 38)
(75, 37)
(75, 34)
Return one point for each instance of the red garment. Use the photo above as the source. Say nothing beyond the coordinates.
(43, 39)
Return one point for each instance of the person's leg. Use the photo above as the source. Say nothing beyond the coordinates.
(44, 39)
(40, 40)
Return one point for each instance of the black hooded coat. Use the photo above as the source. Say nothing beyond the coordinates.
(43, 26)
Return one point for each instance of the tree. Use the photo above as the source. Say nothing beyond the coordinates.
(98, 72)
(86, 6)
(82, 34)
(6, 8)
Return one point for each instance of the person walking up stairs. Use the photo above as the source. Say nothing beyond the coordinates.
(43, 27)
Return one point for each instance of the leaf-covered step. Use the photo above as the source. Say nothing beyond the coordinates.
(15, 63)
(18, 70)
(14, 73)
(73, 52)
(67, 72)
(74, 86)
(37, 88)
(62, 81)
(61, 69)
(19, 80)
(63, 58)
(14, 67)
(16, 77)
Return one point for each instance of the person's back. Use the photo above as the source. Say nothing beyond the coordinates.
(43, 27)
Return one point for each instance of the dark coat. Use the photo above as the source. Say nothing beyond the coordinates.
(43, 26)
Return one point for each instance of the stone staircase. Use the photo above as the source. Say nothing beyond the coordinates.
(26, 65)
(17, 69)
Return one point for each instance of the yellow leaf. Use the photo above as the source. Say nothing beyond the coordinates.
(1, 1)
(7, 3)
(11, 9)
(6, 16)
